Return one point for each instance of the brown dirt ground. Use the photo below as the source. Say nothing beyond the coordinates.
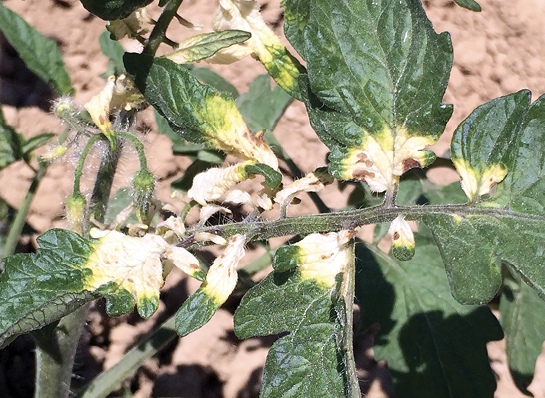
(496, 52)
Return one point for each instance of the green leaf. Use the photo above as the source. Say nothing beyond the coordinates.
(196, 311)
(40, 54)
(179, 145)
(497, 151)
(36, 142)
(195, 111)
(469, 4)
(377, 72)
(114, 51)
(522, 316)
(434, 346)
(211, 78)
(443, 194)
(272, 177)
(205, 45)
(175, 94)
(110, 10)
(409, 192)
(313, 360)
(117, 203)
(262, 107)
(10, 143)
(37, 289)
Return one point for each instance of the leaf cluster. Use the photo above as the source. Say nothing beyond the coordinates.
(375, 76)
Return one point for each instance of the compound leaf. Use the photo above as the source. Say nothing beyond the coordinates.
(39, 53)
(497, 152)
(522, 316)
(304, 295)
(377, 72)
(434, 346)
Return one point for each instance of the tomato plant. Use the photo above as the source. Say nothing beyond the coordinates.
(372, 78)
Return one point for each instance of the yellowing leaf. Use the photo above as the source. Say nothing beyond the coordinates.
(473, 183)
(119, 93)
(135, 264)
(226, 130)
(382, 159)
(323, 256)
(212, 184)
(222, 276)
(205, 45)
(312, 182)
(402, 239)
(264, 44)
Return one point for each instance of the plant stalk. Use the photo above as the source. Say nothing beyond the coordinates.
(347, 220)
(157, 35)
(103, 184)
(349, 282)
(55, 355)
(19, 222)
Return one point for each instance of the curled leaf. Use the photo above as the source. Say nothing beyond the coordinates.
(119, 93)
(213, 184)
(312, 182)
(220, 282)
(205, 45)
(264, 44)
(134, 264)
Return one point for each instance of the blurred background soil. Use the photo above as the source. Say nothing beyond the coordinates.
(496, 52)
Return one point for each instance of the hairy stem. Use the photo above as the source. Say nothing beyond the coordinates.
(157, 35)
(81, 161)
(347, 290)
(345, 220)
(17, 226)
(103, 184)
(138, 146)
(55, 356)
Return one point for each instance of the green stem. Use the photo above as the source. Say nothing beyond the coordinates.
(103, 184)
(17, 226)
(81, 161)
(157, 35)
(348, 290)
(55, 356)
(108, 380)
(137, 145)
(346, 220)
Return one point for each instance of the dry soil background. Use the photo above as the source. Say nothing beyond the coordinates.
(497, 51)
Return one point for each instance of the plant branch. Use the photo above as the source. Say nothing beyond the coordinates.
(55, 355)
(338, 221)
(103, 184)
(157, 35)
